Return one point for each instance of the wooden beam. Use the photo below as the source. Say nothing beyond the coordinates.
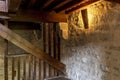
(24, 67)
(30, 48)
(80, 6)
(25, 3)
(39, 69)
(47, 3)
(5, 54)
(44, 65)
(19, 69)
(39, 3)
(29, 67)
(53, 4)
(13, 69)
(17, 55)
(14, 5)
(118, 1)
(63, 3)
(37, 16)
(68, 5)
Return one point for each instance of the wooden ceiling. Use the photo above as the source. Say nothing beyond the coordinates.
(45, 10)
(44, 5)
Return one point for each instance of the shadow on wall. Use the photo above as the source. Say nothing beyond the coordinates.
(94, 53)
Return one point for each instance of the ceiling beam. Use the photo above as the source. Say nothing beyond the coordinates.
(63, 3)
(31, 3)
(47, 3)
(39, 3)
(14, 5)
(118, 1)
(68, 5)
(53, 4)
(30, 48)
(80, 6)
(37, 16)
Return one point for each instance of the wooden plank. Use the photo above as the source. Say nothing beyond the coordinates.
(39, 66)
(39, 3)
(18, 68)
(24, 68)
(13, 69)
(59, 47)
(81, 5)
(42, 70)
(47, 50)
(5, 54)
(29, 68)
(31, 3)
(52, 50)
(44, 49)
(17, 55)
(63, 3)
(118, 1)
(47, 3)
(14, 5)
(54, 39)
(30, 48)
(68, 5)
(53, 5)
(27, 16)
(32, 67)
(6, 60)
(34, 73)
(49, 45)
(54, 45)
(25, 4)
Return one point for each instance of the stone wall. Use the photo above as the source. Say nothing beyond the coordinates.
(94, 53)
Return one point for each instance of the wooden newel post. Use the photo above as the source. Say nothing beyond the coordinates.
(5, 55)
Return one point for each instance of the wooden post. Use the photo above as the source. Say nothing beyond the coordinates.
(57, 48)
(50, 47)
(29, 69)
(30, 48)
(13, 68)
(39, 66)
(34, 62)
(43, 64)
(5, 55)
(18, 68)
(24, 68)
(54, 45)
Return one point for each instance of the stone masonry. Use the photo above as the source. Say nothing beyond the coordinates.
(94, 53)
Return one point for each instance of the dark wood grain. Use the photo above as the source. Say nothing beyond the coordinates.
(30, 48)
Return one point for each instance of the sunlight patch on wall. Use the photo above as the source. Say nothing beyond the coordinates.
(64, 28)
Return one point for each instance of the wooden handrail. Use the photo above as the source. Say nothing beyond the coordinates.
(30, 48)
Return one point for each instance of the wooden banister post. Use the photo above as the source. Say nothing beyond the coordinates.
(5, 54)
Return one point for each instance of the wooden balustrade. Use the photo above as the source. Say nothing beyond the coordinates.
(26, 66)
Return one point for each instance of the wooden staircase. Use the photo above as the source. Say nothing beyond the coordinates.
(35, 64)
